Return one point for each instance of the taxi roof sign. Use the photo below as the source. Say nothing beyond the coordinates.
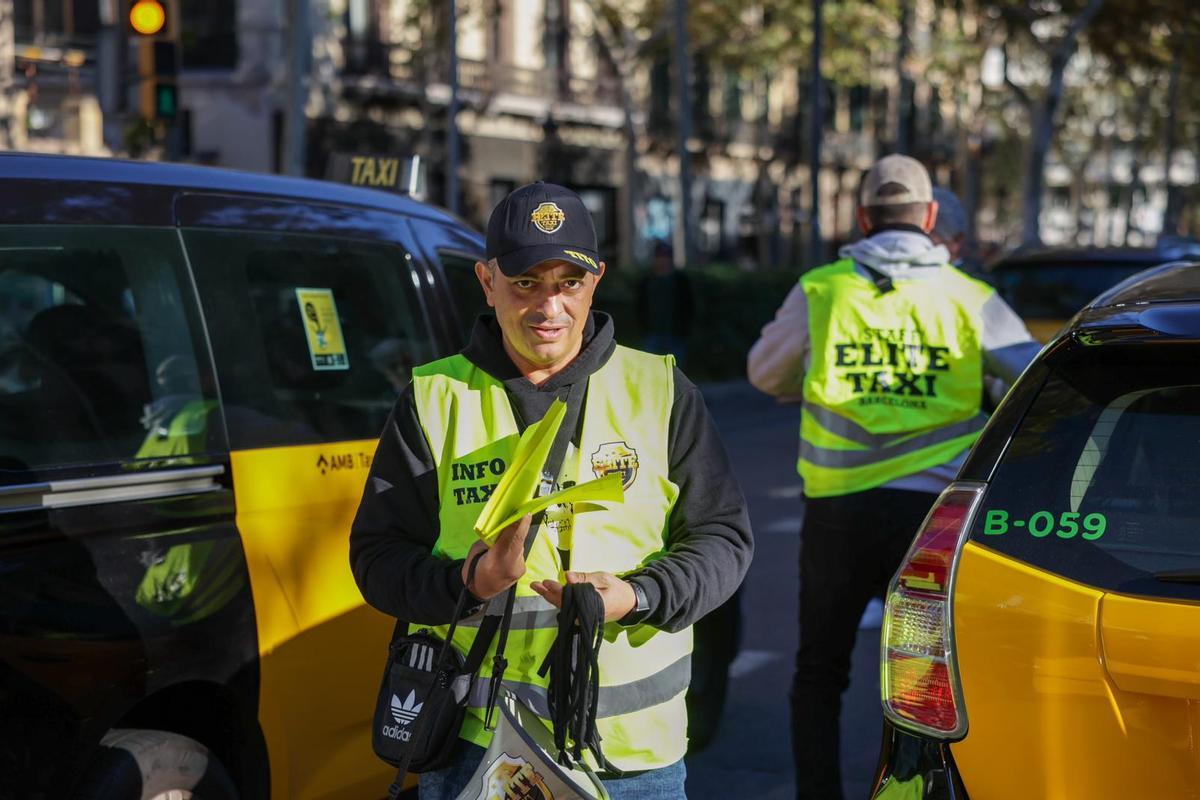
(403, 175)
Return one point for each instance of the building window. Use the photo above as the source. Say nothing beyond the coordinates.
(702, 118)
(660, 96)
(712, 227)
(880, 104)
(733, 98)
(858, 107)
(600, 202)
(500, 189)
(208, 33)
(556, 38)
(500, 33)
(364, 47)
(56, 22)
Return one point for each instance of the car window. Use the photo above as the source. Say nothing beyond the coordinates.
(1058, 290)
(1100, 482)
(100, 353)
(314, 336)
(464, 286)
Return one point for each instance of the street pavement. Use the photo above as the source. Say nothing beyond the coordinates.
(750, 757)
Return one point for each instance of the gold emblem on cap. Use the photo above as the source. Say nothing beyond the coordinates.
(548, 217)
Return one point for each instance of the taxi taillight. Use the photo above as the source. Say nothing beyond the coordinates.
(919, 675)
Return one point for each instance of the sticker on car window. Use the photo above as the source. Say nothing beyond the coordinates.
(323, 329)
(1040, 524)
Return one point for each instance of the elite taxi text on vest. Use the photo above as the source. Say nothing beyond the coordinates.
(906, 368)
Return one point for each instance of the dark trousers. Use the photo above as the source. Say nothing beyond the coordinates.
(850, 546)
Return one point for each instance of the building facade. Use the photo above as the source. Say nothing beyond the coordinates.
(546, 90)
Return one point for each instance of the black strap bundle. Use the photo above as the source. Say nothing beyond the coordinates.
(573, 664)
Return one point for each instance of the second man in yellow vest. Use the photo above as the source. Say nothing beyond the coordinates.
(887, 347)
(674, 550)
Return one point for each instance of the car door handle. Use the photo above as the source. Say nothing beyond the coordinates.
(1151, 646)
(141, 485)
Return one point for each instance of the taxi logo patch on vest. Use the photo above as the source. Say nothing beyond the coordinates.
(513, 778)
(548, 217)
(616, 457)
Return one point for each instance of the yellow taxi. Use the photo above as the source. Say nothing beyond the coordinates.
(1042, 637)
(195, 365)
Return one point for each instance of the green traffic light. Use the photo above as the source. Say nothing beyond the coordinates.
(165, 101)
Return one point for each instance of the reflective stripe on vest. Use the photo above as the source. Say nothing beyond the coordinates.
(471, 431)
(895, 379)
(829, 457)
(614, 701)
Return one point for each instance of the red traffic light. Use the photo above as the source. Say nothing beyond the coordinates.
(147, 17)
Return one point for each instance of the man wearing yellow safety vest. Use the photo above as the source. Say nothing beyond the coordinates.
(888, 347)
(676, 548)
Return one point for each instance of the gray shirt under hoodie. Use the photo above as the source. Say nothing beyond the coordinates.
(708, 541)
(782, 355)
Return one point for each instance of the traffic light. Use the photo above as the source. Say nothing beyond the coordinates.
(158, 68)
(155, 25)
(147, 17)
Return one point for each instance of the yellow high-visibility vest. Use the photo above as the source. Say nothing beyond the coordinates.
(186, 433)
(472, 433)
(895, 382)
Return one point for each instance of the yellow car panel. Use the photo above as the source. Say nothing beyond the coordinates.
(1152, 646)
(1046, 718)
(1044, 329)
(322, 649)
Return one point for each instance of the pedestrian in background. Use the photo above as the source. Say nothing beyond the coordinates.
(950, 227)
(888, 346)
(674, 550)
(950, 231)
(665, 306)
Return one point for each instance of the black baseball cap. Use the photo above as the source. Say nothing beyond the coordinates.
(541, 222)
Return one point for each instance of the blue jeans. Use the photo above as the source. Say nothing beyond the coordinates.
(665, 783)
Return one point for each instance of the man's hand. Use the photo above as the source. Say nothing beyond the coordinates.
(617, 595)
(501, 565)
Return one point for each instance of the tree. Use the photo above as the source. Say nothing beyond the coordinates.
(1156, 38)
(1051, 32)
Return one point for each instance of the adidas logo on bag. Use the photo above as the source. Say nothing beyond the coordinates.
(407, 711)
(404, 713)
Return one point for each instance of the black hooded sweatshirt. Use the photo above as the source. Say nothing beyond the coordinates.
(709, 544)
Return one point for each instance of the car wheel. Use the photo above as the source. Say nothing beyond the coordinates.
(155, 765)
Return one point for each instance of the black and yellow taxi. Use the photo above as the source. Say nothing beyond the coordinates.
(194, 367)
(1046, 286)
(1042, 638)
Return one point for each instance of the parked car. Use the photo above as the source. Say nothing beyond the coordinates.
(194, 367)
(1042, 638)
(1048, 286)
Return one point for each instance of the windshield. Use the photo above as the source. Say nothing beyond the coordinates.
(1101, 482)
(1059, 290)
